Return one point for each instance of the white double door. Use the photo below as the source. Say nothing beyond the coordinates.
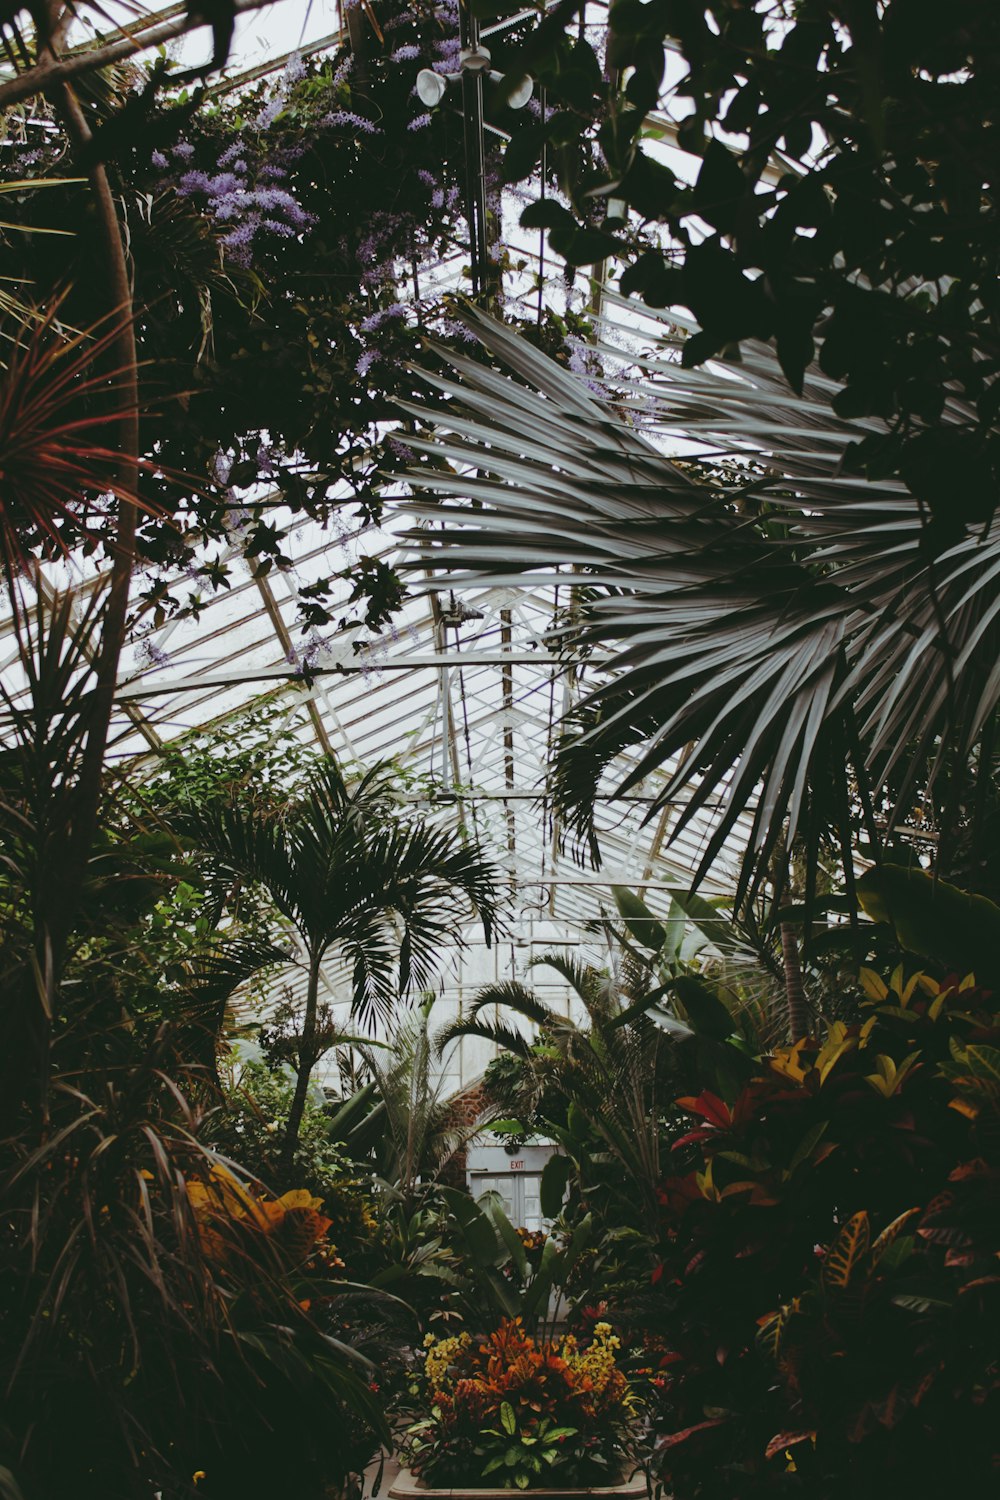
(520, 1194)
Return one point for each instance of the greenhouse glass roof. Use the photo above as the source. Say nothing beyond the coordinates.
(463, 692)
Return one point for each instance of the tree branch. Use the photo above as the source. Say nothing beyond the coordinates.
(53, 69)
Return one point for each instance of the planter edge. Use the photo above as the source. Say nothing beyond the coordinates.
(406, 1486)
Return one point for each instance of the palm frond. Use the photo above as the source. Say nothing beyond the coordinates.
(779, 614)
(512, 995)
(507, 1038)
(583, 978)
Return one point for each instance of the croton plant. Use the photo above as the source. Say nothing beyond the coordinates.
(827, 1281)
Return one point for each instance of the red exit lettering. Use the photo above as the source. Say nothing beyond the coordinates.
(517, 1166)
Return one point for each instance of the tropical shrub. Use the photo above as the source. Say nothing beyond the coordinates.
(249, 1127)
(153, 1313)
(501, 1271)
(826, 1291)
(511, 1411)
(150, 1342)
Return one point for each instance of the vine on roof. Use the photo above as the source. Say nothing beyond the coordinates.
(291, 244)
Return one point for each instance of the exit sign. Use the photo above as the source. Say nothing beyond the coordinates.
(518, 1165)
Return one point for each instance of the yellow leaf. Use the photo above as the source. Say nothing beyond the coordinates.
(706, 1186)
(850, 1247)
(300, 1198)
(896, 982)
(873, 984)
(889, 1234)
(937, 1006)
(837, 1043)
(786, 1062)
(968, 983)
(771, 1327)
(909, 987)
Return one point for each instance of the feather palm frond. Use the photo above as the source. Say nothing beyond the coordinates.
(611, 1067)
(349, 874)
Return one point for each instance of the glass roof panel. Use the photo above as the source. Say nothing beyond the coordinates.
(463, 691)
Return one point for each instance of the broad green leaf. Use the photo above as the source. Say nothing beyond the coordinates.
(708, 1015)
(555, 1178)
(492, 1204)
(477, 1231)
(808, 1144)
(640, 921)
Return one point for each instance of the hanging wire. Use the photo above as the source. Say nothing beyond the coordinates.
(541, 232)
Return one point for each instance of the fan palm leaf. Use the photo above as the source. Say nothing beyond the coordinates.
(799, 624)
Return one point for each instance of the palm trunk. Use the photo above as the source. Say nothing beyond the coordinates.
(798, 1014)
(307, 1061)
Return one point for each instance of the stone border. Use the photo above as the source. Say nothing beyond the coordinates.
(406, 1486)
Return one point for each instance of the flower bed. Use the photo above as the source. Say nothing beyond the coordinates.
(515, 1413)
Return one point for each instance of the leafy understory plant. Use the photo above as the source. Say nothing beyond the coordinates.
(521, 1451)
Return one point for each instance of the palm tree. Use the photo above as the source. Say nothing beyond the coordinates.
(618, 1070)
(828, 651)
(421, 1135)
(349, 873)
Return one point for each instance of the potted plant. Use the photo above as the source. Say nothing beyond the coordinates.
(508, 1411)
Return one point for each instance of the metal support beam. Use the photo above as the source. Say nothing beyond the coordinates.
(507, 680)
(475, 171)
(417, 660)
(281, 631)
(449, 739)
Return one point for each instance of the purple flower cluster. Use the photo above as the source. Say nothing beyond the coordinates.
(267, 460)
(313, 652)
(244, 190)
(343, 71)
(447, 47)
(149, 654)
(458, 330)
(381, 321)
(447, 199)
(382, 315)
(581, 362)
(246, 208)
(347, 118)
(388, 237)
